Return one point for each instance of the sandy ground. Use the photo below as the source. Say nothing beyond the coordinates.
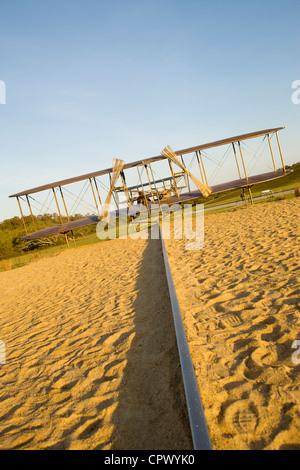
(91, 357)
(239, 297)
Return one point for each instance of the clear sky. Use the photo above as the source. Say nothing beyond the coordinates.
(90, 80)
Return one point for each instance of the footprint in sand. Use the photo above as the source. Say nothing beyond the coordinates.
(217, 373)
(230, 320)
(294, 393)
(242, 417)
(219, 367)
(264, 356)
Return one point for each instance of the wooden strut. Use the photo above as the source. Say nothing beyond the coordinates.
(200, 168)
(96, 204)
(67, 240)
(60, 216)
(149, 181)
(22, 216)
(250, 194)
(280, 151)
(114, 194)
(127, 195)
(63, 199)
(187, 176)
(236, 160)
(31, 212)
(157, 192)
(245, 196)
(272, 155)
(239, 144)
(204, 172)
(141, 181)
(73, 238)
(249, 189)
(127, 201)
(96, 186)
(173, 177)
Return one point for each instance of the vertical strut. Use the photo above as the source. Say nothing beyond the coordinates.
(127, 195)
(243, 161)
(141, 181)
(31, 211)
(272, 155)
(22, 216)
(95, 182)
(187, 176)
(61, 220)
(201, 172)
(60, 216)
(94, 195)
(149, 181)
(281, 156)
(67, 240)
(157, 192)
(203, 168)
(114, 194)
(173, 176)
(236, 159)
(250, 194)
(63, 199)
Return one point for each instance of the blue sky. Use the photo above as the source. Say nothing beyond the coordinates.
(87, 81)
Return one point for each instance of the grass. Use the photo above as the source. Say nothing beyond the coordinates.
(23, 260)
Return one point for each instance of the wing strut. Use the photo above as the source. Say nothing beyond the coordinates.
(172, 157)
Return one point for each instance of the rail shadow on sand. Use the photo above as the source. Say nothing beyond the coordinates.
(151, 413)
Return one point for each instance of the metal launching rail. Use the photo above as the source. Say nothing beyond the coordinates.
(200, 435)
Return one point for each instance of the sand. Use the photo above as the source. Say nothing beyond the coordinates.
(91, 358)
(239, 297)
(91, 355)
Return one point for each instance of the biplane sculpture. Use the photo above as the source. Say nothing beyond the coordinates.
(180, 186)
